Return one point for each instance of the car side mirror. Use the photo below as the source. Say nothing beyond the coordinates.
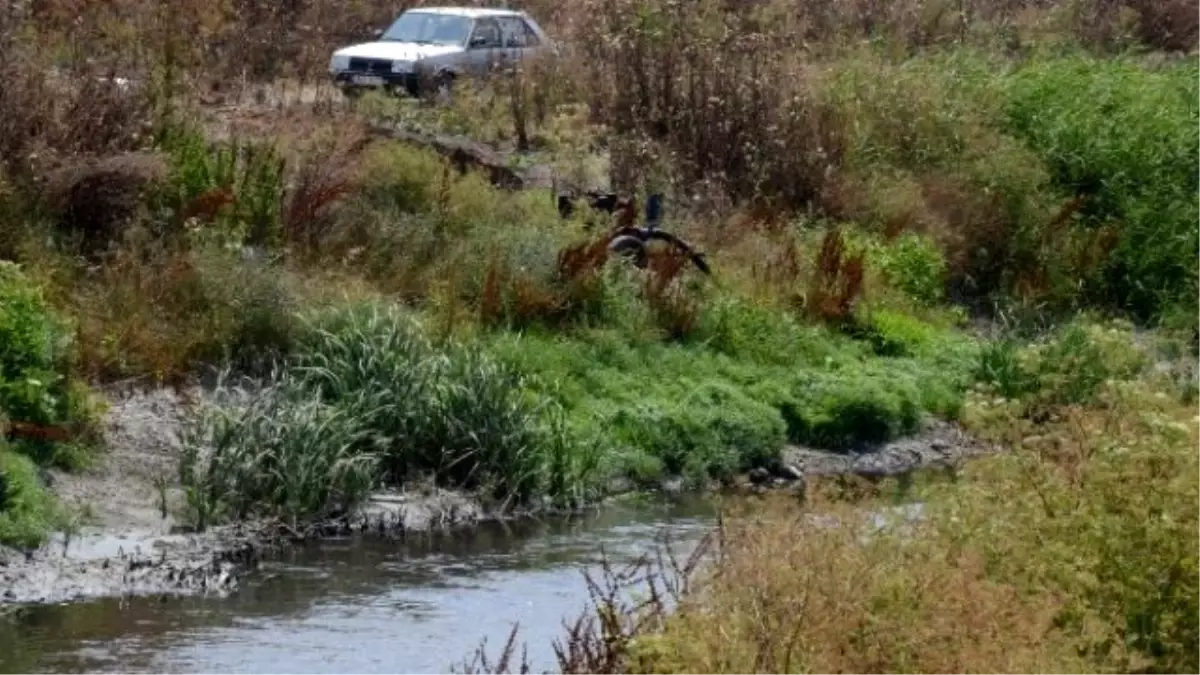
(478, 41)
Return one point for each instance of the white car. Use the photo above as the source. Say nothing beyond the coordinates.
(434, 45)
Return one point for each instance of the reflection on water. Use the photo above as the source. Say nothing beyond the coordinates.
(359, 605)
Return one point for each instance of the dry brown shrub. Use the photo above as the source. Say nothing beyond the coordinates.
(828, 597)
(95, 199)
(207, 205)
(837, 280)
(46, 119)
(516, 297)
(1172, 25)
(326, 174)
(674, 309)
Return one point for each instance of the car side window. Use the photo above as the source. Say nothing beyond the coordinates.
(486, 35)
(517, 32)
(531, 37)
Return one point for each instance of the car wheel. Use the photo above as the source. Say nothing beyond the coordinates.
(630, 248)
(443, 86)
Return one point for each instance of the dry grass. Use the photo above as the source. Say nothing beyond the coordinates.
(1044, 559)
(837, 280)
(795, 594)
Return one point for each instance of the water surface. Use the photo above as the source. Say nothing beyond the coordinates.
(361, 605)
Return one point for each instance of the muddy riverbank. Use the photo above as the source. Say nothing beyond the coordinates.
(132, 543)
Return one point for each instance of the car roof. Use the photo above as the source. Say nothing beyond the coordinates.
(472, 12)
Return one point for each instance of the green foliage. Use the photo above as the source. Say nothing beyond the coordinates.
(698, 429)
(366, 397)
(251, 170)
(892, 333)
(1109, 523)
(1125, 138)
(847, 408)
(27, 512)
(1067, 367)
(710, 412)
(913, 264)
(35, 348)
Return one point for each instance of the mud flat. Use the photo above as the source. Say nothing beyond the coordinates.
(132, 544)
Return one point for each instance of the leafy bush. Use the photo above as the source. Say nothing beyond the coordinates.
(1067, 367)
(1109, 524)
(1125, 139)
(913, 264)
(27, 512)
(237, 185)
(35, 387)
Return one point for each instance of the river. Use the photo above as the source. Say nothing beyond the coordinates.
(362, 605)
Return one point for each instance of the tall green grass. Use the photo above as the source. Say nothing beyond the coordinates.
(367, 399)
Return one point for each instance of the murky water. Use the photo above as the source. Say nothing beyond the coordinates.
(362, 606)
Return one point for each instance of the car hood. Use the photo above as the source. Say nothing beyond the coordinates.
(396, 51)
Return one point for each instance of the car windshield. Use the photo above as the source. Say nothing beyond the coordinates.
(429, 28)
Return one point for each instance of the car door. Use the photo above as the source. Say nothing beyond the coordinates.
(485, 47)
(519, 39)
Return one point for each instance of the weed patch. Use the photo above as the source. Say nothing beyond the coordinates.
(367, 398)
(27, 512)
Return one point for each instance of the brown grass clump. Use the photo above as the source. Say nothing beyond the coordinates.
(160, 314)
(323, 178)
(837, 281)
(675, 310)
(824, 598)
(516, 297)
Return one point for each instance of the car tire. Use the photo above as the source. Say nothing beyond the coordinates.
(443, 86)
(630, 248)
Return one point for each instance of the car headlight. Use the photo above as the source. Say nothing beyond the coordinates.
(339, 63)
(402, 66)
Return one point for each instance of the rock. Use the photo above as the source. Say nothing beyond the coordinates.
(789, 472)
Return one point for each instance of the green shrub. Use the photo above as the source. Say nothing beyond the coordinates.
(1067, 367)
(913, 264)
(35, 349)
(894, 334)
(253, 170)
(1126, 139)
(27, 512)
